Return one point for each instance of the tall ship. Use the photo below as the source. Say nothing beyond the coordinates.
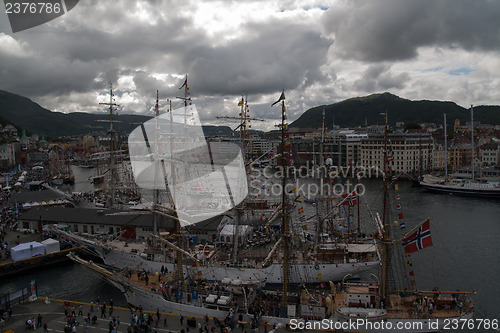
(372, 306)
(193, 182)
(468, 187)
(391, 302)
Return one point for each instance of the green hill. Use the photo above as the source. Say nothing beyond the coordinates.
(29, 115)
(355, 111)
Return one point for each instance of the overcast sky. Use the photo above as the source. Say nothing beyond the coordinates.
(320, 52)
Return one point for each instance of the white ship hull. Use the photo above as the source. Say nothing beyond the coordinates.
(152, 301)
(322, 272)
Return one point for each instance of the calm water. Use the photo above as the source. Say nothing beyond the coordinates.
(465, 233)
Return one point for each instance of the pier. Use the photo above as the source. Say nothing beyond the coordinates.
(53, 314)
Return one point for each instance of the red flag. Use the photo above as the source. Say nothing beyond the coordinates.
(411, 273)
(349, 199)
(400, 216)
(185, 82)
(419, 239)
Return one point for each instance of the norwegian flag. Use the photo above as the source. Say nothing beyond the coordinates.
(349, 199)
(419, 239)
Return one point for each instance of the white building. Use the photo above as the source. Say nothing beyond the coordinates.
(411, 152)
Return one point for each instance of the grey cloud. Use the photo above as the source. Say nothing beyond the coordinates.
(380, 30)
(379, 78)
(266, 62)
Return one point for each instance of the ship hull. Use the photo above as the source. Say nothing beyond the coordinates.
(462, 190)
(152, 302)
(313, 273)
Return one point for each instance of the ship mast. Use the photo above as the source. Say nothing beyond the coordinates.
(445, 150)
(284, 216)
(472, 138)
(156, 193)
(112, 162)
(386, 240)
(178, 230)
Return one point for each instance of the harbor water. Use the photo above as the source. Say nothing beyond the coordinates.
(464, 256)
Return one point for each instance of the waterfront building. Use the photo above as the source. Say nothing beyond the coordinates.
(411, 151)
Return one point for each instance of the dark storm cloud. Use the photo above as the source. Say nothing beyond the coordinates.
(263, 62)
(380, 30)
(95, 45)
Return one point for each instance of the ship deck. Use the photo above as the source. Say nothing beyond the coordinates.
(412, 306)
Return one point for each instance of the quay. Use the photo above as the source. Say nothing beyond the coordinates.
(53, 314)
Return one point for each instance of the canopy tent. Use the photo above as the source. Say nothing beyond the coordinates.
(51, 245)
(27, 250)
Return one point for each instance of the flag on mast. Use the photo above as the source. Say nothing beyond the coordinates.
(282, 98)
(185, 82)
(419, 239)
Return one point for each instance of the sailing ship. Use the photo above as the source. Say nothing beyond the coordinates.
(192, 295)
(373, 306)
(160, 150)
(376, 302)
(470, 187)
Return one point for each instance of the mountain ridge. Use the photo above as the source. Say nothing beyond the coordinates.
(355, 111)
(29, 115)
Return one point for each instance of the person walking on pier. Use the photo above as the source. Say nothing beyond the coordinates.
(45, 328)
(103, 310)
(39, 320)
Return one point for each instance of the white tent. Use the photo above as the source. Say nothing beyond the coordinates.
(27, 250)
(51, 245)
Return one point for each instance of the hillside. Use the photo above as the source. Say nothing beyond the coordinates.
(32, 117)
(353, 112)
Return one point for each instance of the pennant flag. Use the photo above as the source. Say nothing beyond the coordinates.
(282, 98)
(302, 218)
(390, 158)
(395, 177)
(400, 216)
(409, 263)
(419, 239)
(411, 273)
(390, 168)
(413, 283)
(301, 210)
(403, 226)
(298, 199)
(396, 187)
(240, 103)
(319, 275)
(304, 227)
(398, 206)
(185, 82)
(397, 197)
(294, 190)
